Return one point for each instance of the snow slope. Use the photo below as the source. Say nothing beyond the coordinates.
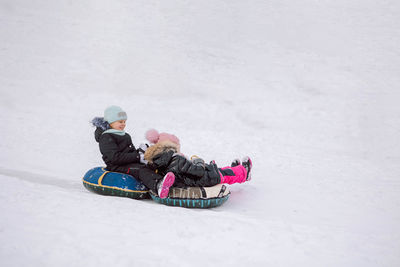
(308, 89)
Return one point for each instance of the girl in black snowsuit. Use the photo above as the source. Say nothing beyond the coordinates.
(119, 153)
(164, 157)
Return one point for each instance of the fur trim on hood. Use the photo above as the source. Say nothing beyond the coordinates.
(160, 147)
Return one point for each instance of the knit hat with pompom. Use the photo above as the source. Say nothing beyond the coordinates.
(153, 137)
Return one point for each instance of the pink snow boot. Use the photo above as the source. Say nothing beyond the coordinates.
(164, 185)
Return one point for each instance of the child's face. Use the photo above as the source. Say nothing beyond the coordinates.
(118, 125)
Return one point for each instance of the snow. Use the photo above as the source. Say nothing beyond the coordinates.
(308, 89)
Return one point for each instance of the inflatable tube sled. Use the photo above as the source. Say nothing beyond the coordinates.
(195, 197)
(104, 182)
(101, 181)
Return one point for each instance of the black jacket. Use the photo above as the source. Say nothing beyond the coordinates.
(117, 150)
(187, 172)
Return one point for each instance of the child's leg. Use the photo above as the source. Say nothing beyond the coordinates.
(147, 176)
(232, 175)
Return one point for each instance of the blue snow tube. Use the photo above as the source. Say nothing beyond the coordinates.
(104, 182)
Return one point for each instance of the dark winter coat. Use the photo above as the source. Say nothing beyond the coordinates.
(164, 157)
(117, 150)
(120, 155)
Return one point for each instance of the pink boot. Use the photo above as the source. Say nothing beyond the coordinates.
(165, 184)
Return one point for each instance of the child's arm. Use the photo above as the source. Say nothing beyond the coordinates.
(109, 149)
(187, 167)
(162, 160)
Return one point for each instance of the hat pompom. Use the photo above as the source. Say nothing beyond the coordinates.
(169, 137)
(152, 136)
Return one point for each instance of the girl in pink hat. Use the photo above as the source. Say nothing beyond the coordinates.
(164, 157)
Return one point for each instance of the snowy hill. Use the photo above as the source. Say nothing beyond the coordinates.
(309, 89)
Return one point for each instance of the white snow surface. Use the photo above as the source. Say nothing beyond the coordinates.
(310, 90)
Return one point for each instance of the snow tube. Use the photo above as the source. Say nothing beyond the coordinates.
(101, 181)
(104, 182)
(195, 197)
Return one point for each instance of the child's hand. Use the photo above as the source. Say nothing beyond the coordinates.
(142, 160)
(197, 161)
(143, 147)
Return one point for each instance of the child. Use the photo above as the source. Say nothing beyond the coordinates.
(120, 155)
(164, 156)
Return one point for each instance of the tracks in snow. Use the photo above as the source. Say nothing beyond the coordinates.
(37, 178)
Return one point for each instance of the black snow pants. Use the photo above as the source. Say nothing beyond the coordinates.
(141, 172)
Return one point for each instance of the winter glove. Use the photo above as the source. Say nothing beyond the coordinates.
(197, 161)
(143, 147)
(142, 160)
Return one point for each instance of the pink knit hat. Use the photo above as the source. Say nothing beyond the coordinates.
(153, 136)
